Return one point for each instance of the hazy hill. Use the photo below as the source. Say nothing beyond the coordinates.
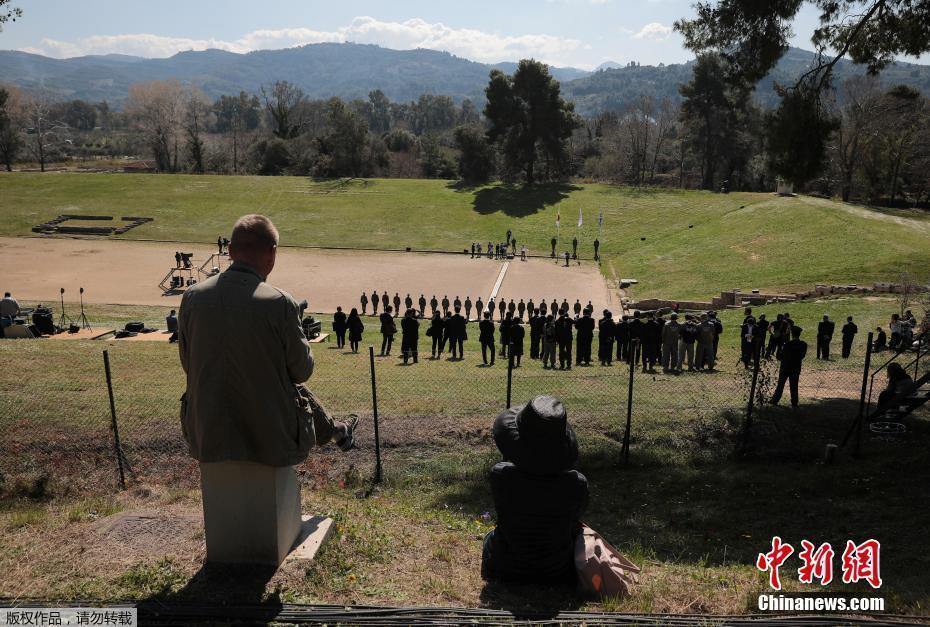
(615, 88)
(322, 70)
(352, 70)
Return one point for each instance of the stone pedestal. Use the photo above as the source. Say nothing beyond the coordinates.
(251, 514)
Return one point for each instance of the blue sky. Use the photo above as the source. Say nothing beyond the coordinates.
(580, 33)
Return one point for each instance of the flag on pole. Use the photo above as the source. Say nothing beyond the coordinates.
(558, 218)
(600, 218)
(580, 219)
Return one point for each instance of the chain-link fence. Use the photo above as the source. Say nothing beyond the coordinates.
(60, 426)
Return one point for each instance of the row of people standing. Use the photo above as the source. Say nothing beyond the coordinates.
(499, 307)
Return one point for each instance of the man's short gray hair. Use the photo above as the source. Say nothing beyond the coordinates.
(253, 233)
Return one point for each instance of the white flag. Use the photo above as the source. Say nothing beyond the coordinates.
(580, 219)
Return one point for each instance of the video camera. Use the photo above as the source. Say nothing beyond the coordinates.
(186, 259)
(312, 328)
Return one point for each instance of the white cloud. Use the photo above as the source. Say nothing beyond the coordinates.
(409, 34)
(655, 31)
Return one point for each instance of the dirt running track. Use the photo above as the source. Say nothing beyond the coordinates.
(125, 272)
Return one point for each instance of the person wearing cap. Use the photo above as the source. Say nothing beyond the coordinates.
(538, 495)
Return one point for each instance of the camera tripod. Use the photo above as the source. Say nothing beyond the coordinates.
(65, 320)
(82, 319)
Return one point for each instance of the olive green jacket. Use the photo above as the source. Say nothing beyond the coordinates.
(243, 351)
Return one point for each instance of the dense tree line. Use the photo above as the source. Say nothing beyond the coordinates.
(872, 149)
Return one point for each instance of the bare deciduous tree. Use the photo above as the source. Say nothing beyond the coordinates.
(45, 131)
(158, 108)
(12, 116)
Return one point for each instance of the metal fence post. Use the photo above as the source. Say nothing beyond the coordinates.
(865, 381)
(116, 445)
(509, 375)
(747, 425)
(625, 449)
(374, 406)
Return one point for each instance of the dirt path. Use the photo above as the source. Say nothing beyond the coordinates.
(121, 272)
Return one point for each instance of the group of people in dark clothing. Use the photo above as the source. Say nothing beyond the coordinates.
(500, 308)
(646, 339)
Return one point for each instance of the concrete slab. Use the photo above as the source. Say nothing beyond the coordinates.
(314, 531)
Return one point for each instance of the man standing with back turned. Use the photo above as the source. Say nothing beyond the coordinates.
(792, 356)
(244, 354)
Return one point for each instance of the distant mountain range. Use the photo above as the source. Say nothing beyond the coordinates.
(352, 70)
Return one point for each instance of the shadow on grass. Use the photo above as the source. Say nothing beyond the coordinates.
(241, 586)
(515, 201)
(531, 602)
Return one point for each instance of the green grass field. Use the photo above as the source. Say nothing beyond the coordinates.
(687, 508)
(737, 240)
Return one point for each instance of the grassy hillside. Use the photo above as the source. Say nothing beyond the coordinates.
(696, 243)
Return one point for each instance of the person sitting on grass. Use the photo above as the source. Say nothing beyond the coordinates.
(538, 496)
(881, 340)
(900, 384)
(171, 321)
